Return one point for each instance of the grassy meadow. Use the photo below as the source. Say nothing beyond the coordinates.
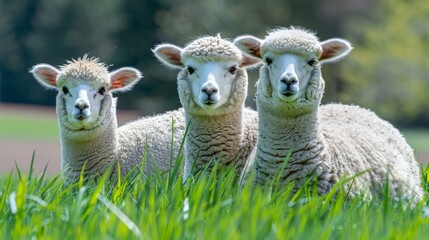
(211, 206)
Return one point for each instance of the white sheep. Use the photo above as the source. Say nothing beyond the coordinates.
(90, 138)
(327, 142)
(212, 86)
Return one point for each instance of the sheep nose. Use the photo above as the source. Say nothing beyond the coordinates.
(81, 104)
(209, 89)
(289, 80)
(289, 77)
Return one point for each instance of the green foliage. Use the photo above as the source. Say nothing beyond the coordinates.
(230, 18)
(210, 206)
(388, 70)
(51, 32)
(122, 33)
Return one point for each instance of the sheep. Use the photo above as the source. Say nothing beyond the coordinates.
(326, 144)
(212, 87)
(90, 138)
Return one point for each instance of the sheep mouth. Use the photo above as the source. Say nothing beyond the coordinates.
(80, 126)
(288, 96)
(288, 93)
(209, 103)
(80, 117)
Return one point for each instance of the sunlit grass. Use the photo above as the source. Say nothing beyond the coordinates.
(33, 206)
(37, 207)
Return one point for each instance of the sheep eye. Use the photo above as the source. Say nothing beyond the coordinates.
(102, 91)
(190, 70)
(65, 90)
(312, 62)
(268, 61)
(232, 70)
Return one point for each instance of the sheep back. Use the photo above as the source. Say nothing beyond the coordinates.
(358, 140)
(151, 137)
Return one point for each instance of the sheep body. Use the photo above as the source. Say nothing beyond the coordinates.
(212, 87)
(360, 141)
(326, 143)
(223, 140)
(158, 137)
(90, 138)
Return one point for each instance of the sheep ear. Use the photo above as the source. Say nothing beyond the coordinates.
(249, 61)
(334, 50)
(169, 55)
(46, 75)
(124, 79)
(249, 44)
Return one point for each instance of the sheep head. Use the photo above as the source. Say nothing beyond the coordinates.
(212, 80)
(292, 59)
(85, 90)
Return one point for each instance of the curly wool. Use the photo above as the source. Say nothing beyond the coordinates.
(90, 149)
(84, 70)
(126, 146)
(146, 142)
(158, 137)
(329, 143)
(282, 132)
(293, 40)
(211, 49)
(358, 140)
(227, 137)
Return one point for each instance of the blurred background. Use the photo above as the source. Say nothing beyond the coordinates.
(388, 71)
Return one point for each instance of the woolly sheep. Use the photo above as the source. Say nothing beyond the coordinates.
(90, 138)
(326, 143)
(212, 86)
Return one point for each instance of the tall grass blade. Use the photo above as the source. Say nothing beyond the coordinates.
(17, 170)
(30, 171)
(5, 191)
(41, 178)
(82, 176)
(122, 216)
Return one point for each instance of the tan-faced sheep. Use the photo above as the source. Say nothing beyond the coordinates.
(90, 138)
(326, 142)
(212, 86)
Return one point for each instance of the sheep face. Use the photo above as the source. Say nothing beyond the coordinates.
(211, 82)
(82, 105)
(212, 79)
(292, 60)
(289, 74)
(85, 90)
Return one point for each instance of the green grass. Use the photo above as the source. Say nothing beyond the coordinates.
(28, 127)
(36, 207)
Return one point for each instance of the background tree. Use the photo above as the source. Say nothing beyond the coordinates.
(52, 32)
(178, 22)
(389, 69)
(386, 71)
